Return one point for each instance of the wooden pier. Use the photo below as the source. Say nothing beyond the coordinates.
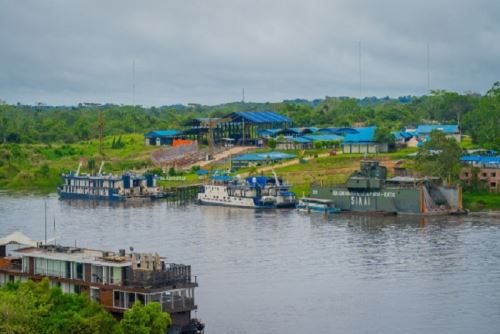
(182, 194)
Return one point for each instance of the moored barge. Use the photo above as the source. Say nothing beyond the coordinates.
(370, 191)
(109, 187)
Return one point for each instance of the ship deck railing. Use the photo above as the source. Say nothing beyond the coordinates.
(175, 274)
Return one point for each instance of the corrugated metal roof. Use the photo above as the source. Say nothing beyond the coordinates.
(324, 138)
(402, 134)
(481, 159)
(264, 156)
(262, 116)
(428, 128)
(162, 133)
(364, 135)
(338, 131)
(268, 132)
(300, 140)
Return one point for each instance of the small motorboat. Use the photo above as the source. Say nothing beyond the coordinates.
(317, 205)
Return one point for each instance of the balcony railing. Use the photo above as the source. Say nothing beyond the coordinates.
(12, 267)
(174, 274)
(176, 303)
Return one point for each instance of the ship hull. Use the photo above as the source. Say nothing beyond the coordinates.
(391, 200)
(113, 198)
(235, 205)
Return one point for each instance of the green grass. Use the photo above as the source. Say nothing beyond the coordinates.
(38, 167)
(481, 201)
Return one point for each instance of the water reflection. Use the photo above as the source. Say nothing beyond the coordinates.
(298, 273)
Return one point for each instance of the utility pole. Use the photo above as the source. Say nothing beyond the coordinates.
(45, 204)
(133, 82)
(243, 95)
(360, 71)
(101, 132)
(428, 68)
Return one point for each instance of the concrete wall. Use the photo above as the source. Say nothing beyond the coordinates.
(370, 148)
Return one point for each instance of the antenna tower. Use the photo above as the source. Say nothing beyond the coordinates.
(428, 68)
(360, 71)
(133, 82)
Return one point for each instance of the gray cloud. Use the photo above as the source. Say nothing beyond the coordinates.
(65, 52)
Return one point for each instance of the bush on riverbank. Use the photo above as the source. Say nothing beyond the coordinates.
(481, 200)
(30, 307)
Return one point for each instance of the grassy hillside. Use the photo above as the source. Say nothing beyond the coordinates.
(38, 167)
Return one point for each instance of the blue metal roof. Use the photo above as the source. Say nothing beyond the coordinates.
(300, 140)
(162, 133)
(428, 128)
(402, 134)
(324, 138)
(364, 135)
(268, 132)
(262, 116)
(480, 159)
(264, 156)
(338, 131)
(303, 130)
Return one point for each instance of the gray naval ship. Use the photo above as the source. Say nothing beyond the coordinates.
(369, 190)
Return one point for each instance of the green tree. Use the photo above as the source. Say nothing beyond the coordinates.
(272, 143)
(440, 156)
(147, 319)
(37, 308)
(484, 122)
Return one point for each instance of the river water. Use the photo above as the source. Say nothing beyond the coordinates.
(287, 272)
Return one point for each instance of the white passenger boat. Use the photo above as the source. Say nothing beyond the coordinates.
(252, 192)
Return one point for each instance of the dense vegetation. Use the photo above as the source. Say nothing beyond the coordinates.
(478, 116)
(30, 307)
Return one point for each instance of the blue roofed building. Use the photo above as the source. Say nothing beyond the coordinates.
(241, 127)
(487, 169)
(363, 141)
(161, 137)
(451, 130)
(259, 159)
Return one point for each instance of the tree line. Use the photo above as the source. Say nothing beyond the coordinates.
(477, 115)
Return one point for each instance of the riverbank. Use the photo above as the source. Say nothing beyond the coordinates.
(37, 167)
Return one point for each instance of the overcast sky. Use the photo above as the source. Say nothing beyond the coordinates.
(205, 51)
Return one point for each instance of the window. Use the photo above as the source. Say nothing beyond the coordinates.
(119, 299)
(493, 174)
(131, 299)
(79, 271)
(95, 294)
(493, 184)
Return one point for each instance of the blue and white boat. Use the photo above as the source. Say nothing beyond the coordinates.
(317, 205)
(253, 192)
(109, 187)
